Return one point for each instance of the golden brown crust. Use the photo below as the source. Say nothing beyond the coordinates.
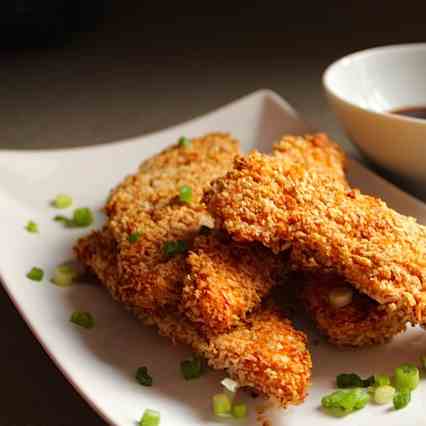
(314, 151)
(226, 281)
(361, 323)
(264, 352)
(379, 251)
(148, 203)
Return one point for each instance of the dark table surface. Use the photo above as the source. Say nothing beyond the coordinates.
(140, 70)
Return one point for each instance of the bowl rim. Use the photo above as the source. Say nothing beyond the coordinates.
(366, 53)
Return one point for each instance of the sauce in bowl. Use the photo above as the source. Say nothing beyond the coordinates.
(412, 112)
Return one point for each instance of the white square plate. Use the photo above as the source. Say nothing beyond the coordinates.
(101, 363)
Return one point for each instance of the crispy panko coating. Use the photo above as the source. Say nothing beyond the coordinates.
(329, 226)
(361, 323)
(263, 352)
(314, 151)
(226, 281)
(148, 203)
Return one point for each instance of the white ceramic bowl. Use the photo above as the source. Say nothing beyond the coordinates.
(364, 86)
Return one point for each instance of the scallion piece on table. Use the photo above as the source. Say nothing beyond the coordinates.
(31, 227)
(172, 248)
(35, 274)
(239, 410)
(341, 403)
(192, 368)
(68, 223)
(381, 380)
(62, 201)
(184, 142)
(134, 236)
(384, 394)
(150, 418)
(352, 380)
(83, 319)
(185, 194)
(401, 399)
(407, 376)
(143, 377)
(82, 217)
(64, 275)
(221, 405)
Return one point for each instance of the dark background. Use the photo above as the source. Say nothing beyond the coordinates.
(79, 73)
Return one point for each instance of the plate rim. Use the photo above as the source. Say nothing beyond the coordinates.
(261, 93)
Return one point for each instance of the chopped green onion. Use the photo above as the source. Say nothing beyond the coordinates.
(340, 297)
(143, 377)
(204, 230)
(185, 194)
(134, 236)
(184, 142)
(35, 274)
(83, 319)
(192, 368)
(239, 410)
(82, 217)
(150, 418)
(230, 385)
(362, 399)
(64, 275)
(407, 376)
(341, 403)
(221, 405)
(171, 248)
(352, 380)
(32, 227)
(68, 223)
(384, 394)
(381, 380)
(62, 201)
(401, 399)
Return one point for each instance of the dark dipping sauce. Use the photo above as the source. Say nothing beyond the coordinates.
(412, 112)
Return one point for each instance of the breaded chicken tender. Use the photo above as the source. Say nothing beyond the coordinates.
(362, 322)
(226, 281)
(329, 226)
(314, 151)
(148, 205)
(264, 352)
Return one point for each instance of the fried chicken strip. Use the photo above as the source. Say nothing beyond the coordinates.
(226, 281)
(362, 322)
(263, 352)
(216, 294)
(315, 152)
(147, 205)
(329, 226)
